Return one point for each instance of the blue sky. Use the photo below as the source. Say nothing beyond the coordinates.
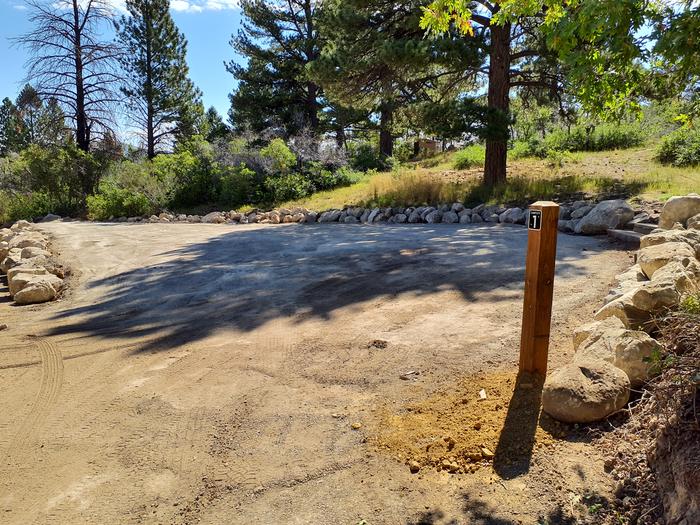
(207, 24)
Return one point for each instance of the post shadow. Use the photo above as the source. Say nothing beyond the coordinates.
(516, 441)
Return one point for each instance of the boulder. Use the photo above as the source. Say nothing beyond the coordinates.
(584, 392)
(310, 217)
(425, 212)
(50, 218)
(351, 219)
(694, 222)
(31, 252)
(20, 279)
(365, 216)
(21, 225)
(465, 218)
(14, 258)
(679, 209)
(450, 217)
(565, 212)
(512, 216)
(476, 218)
(330, 216)
(581, 212)
(400, 218)
(457, 207)
(6, 234)
(592, 331)
(636, 307)
(433, 217)
(215, 217)
(631, 351)
(606, 215)
(4, 249)
(568, 226)
(373, 215)
(28, 240)
(690, 237)
(414, 217)
(626, 281)
(652, 258)
(40, 289)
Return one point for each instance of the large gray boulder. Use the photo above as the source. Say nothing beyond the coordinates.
(679, 209)
(330, 216)
(450, 217)
(215, 217)
(607, 215)
(512, 216)
(653, 258)
(584, 392)
(632, 351)
(433, 217)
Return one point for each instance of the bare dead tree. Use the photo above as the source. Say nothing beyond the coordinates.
(71, 62)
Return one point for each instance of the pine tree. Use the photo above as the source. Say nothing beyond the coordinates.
(278, 39)
(377, 58)
(159, 92)
(8, 127)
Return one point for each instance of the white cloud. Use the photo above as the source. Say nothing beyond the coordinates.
(20, 7)
(197, 6)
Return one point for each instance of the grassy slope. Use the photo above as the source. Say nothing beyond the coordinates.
(623, 173)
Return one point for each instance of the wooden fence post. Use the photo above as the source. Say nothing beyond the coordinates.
(539, 286)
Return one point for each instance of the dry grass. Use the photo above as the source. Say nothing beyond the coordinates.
(625, 173)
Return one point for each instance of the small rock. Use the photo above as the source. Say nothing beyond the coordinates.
(482, 394)
(486, 453)
(356, 426)
(413, 466)
(3, 327)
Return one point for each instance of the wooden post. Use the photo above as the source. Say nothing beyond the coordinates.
(539, 286)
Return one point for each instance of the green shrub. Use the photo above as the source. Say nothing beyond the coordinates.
(194, 178)
(680, 148)
(66, 174)
(519, 150)
(603, 137)
(288, 187)
(112, 201)
(691, 304)
(238, 186)
(15, 206)
(470, 157)
(403, 150)
(282, 158)
(365, 156)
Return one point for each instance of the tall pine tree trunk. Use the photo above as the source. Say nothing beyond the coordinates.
(386, 139)
(498, 103)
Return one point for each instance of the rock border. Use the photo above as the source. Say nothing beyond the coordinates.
(33, 275)
(616, 352)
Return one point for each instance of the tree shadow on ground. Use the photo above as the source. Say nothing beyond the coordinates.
(245, 278)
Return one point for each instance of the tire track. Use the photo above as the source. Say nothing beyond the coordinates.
(49, 389)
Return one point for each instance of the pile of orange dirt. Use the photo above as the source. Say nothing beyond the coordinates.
(489, 419)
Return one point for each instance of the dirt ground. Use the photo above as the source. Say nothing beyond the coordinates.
(250, 374)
